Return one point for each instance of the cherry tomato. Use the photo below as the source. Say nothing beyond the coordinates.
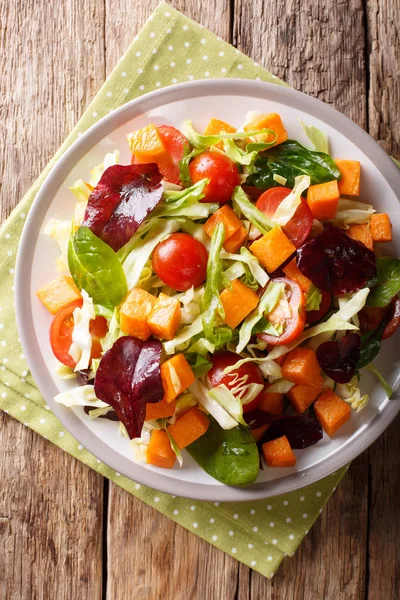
(299, 226)
(222, 173)
(251, 371)
(294, 320)
(394, 315)
(61, 334)
(312, 316)
(180, 261)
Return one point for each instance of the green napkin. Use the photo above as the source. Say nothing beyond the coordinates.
(169, 49)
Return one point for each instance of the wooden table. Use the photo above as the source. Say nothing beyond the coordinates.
(67, 533)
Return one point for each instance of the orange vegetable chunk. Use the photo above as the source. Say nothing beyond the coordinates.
(381, 228)
(278, 453)
(189, 427)
(259, 432)
(216, 126)
(323, 199)
(159, 451)
(134, 313)
(331, 411)
(177, 376)
(293, 272)
(271, 402)
(164, 317)
(271, 121)
(58, 293)
(302, 396)
(160, 410)
(238, 303)
(301, 366)
(361, 233)
(236, 240)
(228, 218)
(272, 249)
(147, 145)
(349, 184)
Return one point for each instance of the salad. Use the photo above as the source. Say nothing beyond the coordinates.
(221, 294)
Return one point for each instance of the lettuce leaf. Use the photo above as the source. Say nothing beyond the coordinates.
(110, 159)
(317, 137)
(352, 212)
(314, 297)
(232, 404)
(223, 418)
(182, 340)
(83, 395)
(80, 190)
(250, 260)
(205, 141)
(81, 346)
(185, 203)
(288, 206)
(199, 363)
(211, 304)
(242, 203)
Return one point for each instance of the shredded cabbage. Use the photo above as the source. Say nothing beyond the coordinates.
(114, 332)
(350, 392)
(317, 137)
(232, 404)
(250, 211)
(110, 159)
(250, 260)
(282, 386)
(182, 340)
(352, 212)
(288, 206)
(386, 387)
(215, 409)
(279, 179)
(99, 412)
(81, 346)
(60, 231)
(185, 203)
(211, 305)
(205, 141)
(80, 190)
(83, 395)
(64, 372)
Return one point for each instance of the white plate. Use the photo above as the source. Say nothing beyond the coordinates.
(199, 101)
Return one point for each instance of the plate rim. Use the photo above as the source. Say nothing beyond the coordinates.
(23, 301)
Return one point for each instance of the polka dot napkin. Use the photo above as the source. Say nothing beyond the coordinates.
(169, 49)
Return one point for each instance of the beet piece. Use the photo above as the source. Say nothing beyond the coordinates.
(302, 431)
(335, 263)
(339, 359)
(128, 377)
(121, 201)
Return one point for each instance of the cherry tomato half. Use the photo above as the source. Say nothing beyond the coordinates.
(299, 226)
(180, 261)
(312, 316)
(293, 323)
(222, 173)
(372, 317)
(251, 371)
(61, 334)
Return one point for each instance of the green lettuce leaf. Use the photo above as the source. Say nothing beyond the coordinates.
(314, 297)
(388, 282)
(317, 137)
(211, 304)
(206, 141)
(242, 203)
(288, 206)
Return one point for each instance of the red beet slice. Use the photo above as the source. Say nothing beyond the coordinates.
(301, 431)
(335, 263)
(121, 201)
(339, 359)
(128, 377)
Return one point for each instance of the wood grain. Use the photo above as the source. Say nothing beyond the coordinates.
(51, 64)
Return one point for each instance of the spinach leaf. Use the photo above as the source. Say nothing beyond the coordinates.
(200, 364)
(228, 455)
(95, 268)
(388, 282)
(289, 160)
(370, 346)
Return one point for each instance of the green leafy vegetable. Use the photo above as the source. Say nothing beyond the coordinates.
(250, 211)
(211, 304)
(317, 137)
(350, 393)
(95, 268)
(352, 212)
(184, 165)
(286, 209)
(370, 346)
(206, 141)
(230, 456)
(185, 203)
(230, 402)
(244, 157)
(386, 387)
(289, 160)
(199, 363)
(314, 298)
(388, 278)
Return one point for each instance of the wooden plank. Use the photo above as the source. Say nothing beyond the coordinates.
(384, 123)
(318, 48)
(50, 504)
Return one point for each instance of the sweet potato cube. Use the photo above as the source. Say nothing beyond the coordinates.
(323, 200)
(189, 427)
(134, 313)
(259, 432)
(272, 402)
(164, 317)
(228, 218)
(301, 366)
(302, 396)
(271, 121)
(293, 272)
(160, 410)
(58, 293)
(147, 145)
(236, 240)
(238, 303)
(381, 228)
(159, 451)
(79, 214)
(272, 249)
(278, 453)
(361, 233)
(177, 376)
(216, 126)
(349, 184)
(331, 411)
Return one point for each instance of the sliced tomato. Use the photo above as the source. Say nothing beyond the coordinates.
(249, 371)
(61, 329)
(299, 226)
(294, 321)
(312, 316)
